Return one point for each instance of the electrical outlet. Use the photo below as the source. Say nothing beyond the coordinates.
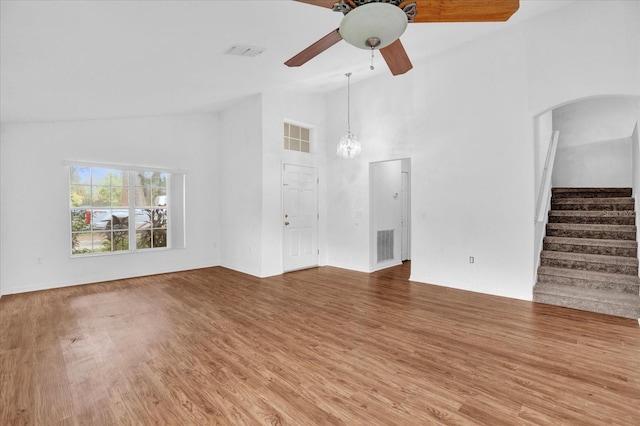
(472, 259)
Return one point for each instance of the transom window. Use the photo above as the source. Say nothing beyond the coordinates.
(296, 138)
(116, 210)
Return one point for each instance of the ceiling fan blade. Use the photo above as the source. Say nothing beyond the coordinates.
(396, 58)
(465, 10)
(321, 3)
(315, 49)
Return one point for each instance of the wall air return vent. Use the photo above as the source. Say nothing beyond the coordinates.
(385, 245)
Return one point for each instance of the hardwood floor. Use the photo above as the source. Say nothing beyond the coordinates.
(321, 346)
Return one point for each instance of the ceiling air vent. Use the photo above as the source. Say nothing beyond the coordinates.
(248, 51)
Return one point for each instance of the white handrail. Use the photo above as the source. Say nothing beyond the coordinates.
(545, 183)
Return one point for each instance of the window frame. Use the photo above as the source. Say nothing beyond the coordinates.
(289, 137)
(132, 231)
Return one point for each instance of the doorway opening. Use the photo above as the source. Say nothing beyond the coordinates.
(390, 207)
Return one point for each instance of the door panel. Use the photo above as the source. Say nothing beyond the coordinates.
(300, 217)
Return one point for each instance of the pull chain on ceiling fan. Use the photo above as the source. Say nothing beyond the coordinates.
(378, 24)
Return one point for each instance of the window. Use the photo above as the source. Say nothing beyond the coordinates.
(296, 138)
(103, 202)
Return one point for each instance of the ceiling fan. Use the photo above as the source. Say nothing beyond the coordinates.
(378, 24)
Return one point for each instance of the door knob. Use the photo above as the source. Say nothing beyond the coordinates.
(286, 223)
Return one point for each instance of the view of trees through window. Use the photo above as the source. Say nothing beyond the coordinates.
(102, 203)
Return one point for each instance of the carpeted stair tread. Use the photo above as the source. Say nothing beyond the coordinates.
(593, 300)
(583, 230)
(613, 204)
(604, 217)
(590, 275)
(606, 200)
(591, 192)
(591, 294)
(593, 226)
(591, 241)
(595, 258)
(590, 262)
(626, 248)
(589, 257)
(617, 283)
(593, 213)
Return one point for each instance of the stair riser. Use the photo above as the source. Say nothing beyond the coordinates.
(590, 207)
(591, 249)
(587, 305)
(622, 193)
(629, 289)
(594, 220)
(590, 266)
(603, 235)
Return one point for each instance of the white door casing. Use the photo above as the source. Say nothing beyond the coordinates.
(300, 217)
(404, 191)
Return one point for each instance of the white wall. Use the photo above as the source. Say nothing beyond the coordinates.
(461, 118)
(240, 177)
(35, 195)
(466, 119)
(251, 176)
(594, 148)
(1, 202)
(587, 49)
(233, 166)
(598, 164)
(595, 120)
(348, 208)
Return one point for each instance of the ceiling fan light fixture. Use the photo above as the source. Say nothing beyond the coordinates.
(373, 42)
(383, 21)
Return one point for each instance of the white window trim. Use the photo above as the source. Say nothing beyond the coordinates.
(132, 231)
(130, 167)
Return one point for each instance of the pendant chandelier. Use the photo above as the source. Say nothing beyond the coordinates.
(349, 146)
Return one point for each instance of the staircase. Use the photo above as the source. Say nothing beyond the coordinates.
(589, 259)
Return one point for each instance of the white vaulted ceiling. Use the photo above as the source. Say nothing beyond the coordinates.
(72, 60)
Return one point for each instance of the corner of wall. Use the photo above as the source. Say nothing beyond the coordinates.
(635, 159)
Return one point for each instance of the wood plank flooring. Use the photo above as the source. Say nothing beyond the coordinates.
(314, 347)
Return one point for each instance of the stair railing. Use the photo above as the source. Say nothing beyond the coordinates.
(544, 192)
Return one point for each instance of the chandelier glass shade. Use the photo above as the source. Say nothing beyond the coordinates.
(349, 146)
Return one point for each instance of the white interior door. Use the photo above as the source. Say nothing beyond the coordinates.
(300, 217)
